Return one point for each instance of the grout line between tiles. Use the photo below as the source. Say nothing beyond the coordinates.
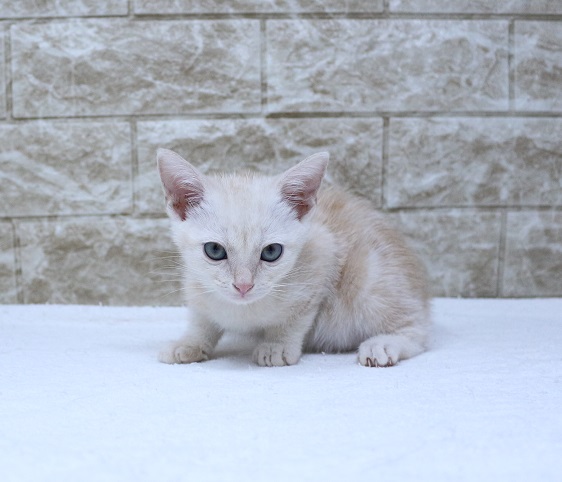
(8, 102)
(20, 298)
(501, 253)
(385, 160)
(263, 66)
(134, 166)
(510, 66)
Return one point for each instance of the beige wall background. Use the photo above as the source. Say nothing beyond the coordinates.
(447, 114)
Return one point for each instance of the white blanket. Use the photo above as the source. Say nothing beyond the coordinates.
(82, 397)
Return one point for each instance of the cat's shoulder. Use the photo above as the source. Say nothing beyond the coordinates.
(336, 201)
(343, 212)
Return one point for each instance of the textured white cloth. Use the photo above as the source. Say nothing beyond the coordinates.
(82, 397)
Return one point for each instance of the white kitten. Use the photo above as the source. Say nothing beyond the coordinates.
(303, 268)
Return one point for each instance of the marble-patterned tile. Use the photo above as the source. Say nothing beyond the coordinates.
(459, 249)
(264, 145)
(538, 66)
(2, 76)
(256, 6)
(93, 260)
(364, 65)
(61, 8)
(8, 291)
(533, 259)
(477, 6)
(474, 162)
(50, 168)
(121, 67)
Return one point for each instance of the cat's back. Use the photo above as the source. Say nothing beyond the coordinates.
(362, 231)
(377, 272)
(355, 222)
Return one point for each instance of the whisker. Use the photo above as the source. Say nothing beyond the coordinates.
(170, 293)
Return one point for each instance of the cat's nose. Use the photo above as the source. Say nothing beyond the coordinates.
(243, 288)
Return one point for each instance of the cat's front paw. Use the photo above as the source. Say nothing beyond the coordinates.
(379, 351)
(275, 355)
(183, 354)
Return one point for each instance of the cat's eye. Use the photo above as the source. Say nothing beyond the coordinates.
(272, 252)
(214, 251)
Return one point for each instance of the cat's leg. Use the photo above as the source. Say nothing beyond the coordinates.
(196, 345)
(386, 350)
(283, 344)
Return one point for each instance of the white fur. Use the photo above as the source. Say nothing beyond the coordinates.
(345, 281)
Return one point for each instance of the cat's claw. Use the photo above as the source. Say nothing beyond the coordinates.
(275, 355)
(375, 363)
(183, 354)
(376, 353)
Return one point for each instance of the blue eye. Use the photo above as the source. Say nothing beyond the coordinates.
(272, 252)
(214, 251)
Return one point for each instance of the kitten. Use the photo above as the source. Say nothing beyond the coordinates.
(302, 267)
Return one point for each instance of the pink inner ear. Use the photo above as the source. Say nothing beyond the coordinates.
(180, 207)
(300, 184)
(183, 184)
(302, 209)
(301, 200)
(183, 198)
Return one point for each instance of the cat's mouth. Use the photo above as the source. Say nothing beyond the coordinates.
(245, 298)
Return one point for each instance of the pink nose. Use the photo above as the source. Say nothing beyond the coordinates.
(243, 288)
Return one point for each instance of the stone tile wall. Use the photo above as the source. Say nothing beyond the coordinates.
(447, 114)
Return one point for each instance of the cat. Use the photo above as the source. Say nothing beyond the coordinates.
(303, 267)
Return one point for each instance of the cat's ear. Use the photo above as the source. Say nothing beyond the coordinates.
(182, 183)
(300, 184)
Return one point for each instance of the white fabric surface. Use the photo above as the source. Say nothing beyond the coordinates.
(82, 397)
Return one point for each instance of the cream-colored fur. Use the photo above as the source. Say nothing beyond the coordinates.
(345, 280)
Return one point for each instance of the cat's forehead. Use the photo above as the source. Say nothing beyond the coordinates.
(244, 192)
(246, 206)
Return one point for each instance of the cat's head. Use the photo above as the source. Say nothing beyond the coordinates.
(239, 235)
